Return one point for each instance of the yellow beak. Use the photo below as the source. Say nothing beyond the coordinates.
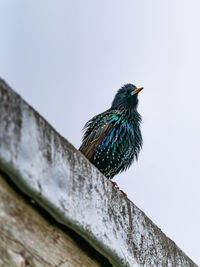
(138, 90)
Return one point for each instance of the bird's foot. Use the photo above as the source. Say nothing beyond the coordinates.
(125, 195)
(115, 184)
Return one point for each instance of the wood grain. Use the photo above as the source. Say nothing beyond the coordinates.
(28, 239)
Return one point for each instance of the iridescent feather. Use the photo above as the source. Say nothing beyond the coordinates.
(112, 139)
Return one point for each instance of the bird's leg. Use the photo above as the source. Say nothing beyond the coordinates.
(115, 184)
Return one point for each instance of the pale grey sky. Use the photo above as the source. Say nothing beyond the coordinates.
(68, 59)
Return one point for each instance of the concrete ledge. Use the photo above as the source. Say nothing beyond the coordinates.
(60, 179)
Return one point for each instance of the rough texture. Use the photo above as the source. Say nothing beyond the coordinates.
(29, 238)
(60, 179)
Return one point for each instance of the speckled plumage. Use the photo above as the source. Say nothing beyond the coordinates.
(112, 139)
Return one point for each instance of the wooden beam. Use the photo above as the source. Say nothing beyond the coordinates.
(29, 237)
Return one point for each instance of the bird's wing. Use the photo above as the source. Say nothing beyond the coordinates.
(96, 129)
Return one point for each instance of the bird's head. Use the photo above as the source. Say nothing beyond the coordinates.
(126, 97)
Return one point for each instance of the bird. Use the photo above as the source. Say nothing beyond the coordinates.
(112, 139)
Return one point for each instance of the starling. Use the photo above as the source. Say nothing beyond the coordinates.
(112, 140)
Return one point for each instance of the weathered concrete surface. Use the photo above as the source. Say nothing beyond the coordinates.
(29, 238)
(60, 179)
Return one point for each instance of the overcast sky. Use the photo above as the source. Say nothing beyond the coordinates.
(68, 59)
